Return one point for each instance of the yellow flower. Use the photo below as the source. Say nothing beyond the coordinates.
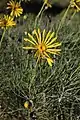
(7, 21)
(75, 4)
(15, 7)
(28, 104)
(44, 44)
(46, 3)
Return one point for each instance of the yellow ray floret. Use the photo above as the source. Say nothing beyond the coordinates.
(28, 104)
(46, 2)
(75, 4)
(44, 44)
(15, 7)
(7, 21)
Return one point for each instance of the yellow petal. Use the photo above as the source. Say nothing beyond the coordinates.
(77, 0)
(28, 48)
(49, 5)
(57, 50)
(27, 40)
(32, 38)
(46, 55)
(26, 104)
(50, 37)
(38, 59)
(47, 36)
(34, 32)
(39, 40)
(52, 41)
(54, 45)
(54, 51)
(50, 61)
(45, 1)
(76, 6)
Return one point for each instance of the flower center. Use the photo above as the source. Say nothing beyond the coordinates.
(5, 22)
(41, 48)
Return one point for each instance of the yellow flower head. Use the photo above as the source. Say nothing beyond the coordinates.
(28, 104)
(7, 21)
(46, 2)
(44, 44)
(15, 7)
(75, 4)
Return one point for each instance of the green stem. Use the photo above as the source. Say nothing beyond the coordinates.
(71, 17)
(62, 20)
(32, 80)
(39, 14)
(2, 37)
(31, 83)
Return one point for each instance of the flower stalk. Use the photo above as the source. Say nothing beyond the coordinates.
(62, 20)
(2, 36)
(71, 17)
(42, 8)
